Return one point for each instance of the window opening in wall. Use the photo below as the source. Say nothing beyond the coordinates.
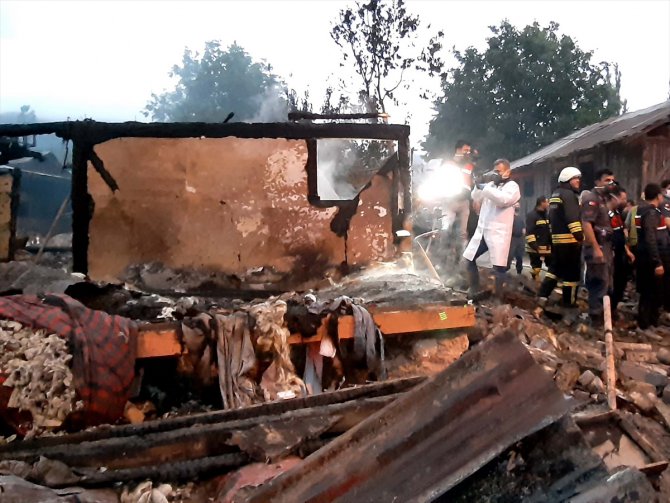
(344, 166)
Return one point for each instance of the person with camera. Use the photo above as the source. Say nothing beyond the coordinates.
(538, 237)
(498, 194)
(652, 257)
(566, 238)
(457, 210)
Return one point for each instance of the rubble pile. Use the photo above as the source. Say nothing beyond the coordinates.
(280, 379)
(37, 369)
(281, 431)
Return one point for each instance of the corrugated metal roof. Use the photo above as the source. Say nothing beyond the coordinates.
(607, 131)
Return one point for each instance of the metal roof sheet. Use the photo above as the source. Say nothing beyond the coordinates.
(607, 131)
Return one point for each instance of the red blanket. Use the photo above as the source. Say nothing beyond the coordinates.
(103, 350)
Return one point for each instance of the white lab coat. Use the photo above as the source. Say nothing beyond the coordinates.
(496, 219)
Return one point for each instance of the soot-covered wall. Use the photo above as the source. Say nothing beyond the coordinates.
(227, 204)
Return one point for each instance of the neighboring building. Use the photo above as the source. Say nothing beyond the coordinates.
(43, 186)
(635, 145)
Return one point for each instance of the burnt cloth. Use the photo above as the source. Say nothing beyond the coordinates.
(103, 349)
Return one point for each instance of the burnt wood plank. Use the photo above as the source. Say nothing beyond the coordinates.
(194, 442)
(389, 387)
(93, 132)
(445, 430)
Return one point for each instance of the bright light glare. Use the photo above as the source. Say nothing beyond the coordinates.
(443, 183)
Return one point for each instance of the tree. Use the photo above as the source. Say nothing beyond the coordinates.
(527, 89)
(27, 115)
(217, 82)
(381, 39)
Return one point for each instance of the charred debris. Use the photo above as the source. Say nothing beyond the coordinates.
(241, 338)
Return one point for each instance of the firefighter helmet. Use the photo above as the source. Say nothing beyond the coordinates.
(568, 174)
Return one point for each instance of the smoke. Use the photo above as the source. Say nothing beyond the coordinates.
(344, 167)
(273, 106)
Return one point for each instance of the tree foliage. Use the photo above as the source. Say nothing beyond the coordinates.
(381, 40)
(527, 89)
(220, 81)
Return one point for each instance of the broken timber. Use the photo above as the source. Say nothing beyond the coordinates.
(445, 430)
(160, 340)
(264, 410)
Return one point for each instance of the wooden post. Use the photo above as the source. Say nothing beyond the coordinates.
(81, 206)
(609, 354)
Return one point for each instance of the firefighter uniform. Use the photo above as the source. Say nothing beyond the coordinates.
(538, 240)
(621, 270)
(653, 250)
(566, 244)
(598, 274)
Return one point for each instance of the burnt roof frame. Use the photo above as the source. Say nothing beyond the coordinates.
(88, 133)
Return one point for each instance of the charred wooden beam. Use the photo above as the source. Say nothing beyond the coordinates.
(93, 132)
(192, 442)
(445, 430)
(654, 443)
(296, 116)
(550, 465)
(181, 470)
(257, 437)
(260, 411)
(102, 171)
(82, 207)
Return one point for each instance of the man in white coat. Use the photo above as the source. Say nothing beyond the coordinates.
(494, 228)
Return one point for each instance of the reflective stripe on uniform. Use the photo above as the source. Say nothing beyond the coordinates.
(563, 238)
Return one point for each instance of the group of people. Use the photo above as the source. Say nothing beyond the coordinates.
(597, 237)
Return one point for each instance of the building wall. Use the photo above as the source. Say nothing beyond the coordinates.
(624, 159)
(656, 159)
(8, 199)
(228, 205)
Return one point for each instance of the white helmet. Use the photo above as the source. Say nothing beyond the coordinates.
(568, 174)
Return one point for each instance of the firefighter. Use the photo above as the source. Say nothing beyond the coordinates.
(598, 253)
(516, 247)
(494, 227)
(538, 237)
(653, 256)
(623, 257)
(566, 238)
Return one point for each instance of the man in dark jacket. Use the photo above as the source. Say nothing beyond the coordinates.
(566, 238)
(538, 236)
(653, 255)
(516, 247)
(623, 257)
(598, 252)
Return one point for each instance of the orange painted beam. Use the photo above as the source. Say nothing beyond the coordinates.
(159, 340)
(425, 318)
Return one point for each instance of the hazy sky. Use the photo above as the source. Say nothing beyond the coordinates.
(103, 59)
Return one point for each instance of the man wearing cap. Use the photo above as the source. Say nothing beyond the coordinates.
(566, 237)
(598, 252)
